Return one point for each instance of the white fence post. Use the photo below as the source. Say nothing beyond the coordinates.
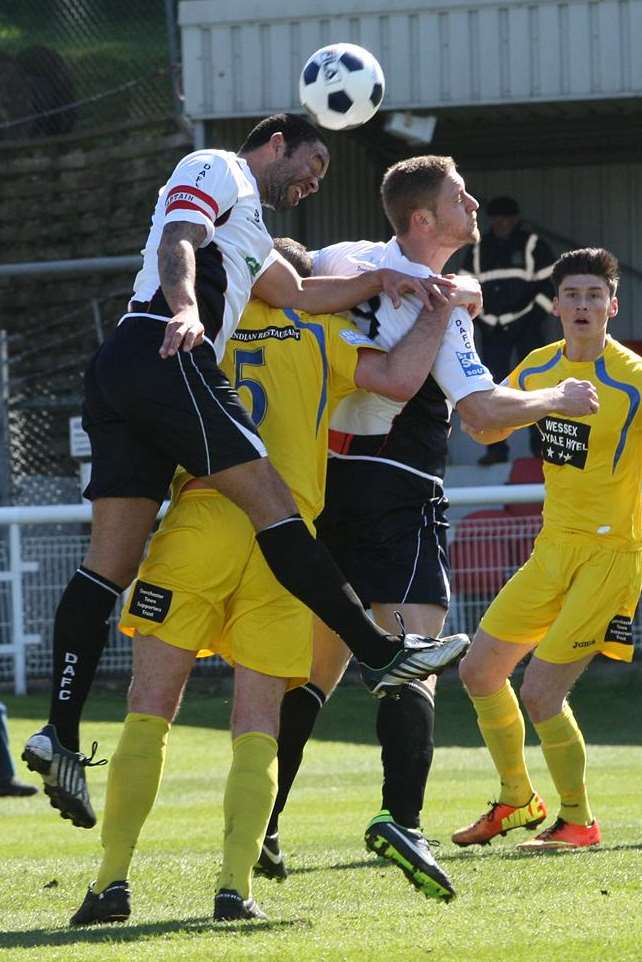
(19, 638)
(17, 611)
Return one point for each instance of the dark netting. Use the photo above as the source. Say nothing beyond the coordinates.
(42, 371)
(70, 65)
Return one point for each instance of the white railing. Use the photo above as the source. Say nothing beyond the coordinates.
(35, 568)
(486, 547)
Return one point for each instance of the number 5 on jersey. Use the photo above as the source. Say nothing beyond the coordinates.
(257, 391)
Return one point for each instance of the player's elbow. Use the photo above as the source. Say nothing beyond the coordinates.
(393, 390)
(395, 386)
(478, 411)
(377, 374)
(399, 392)
(475, 422)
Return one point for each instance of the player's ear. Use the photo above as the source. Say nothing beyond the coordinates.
(614, 306)
(278, 145)
(555, 309)
(421, 218)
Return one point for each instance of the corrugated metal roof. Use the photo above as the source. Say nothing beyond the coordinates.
(244, 57)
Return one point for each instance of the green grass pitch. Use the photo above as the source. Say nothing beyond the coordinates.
(339, 903)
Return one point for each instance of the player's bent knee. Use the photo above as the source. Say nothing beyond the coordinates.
(257, 702)
(479, 677)
(462, 671)
(538, 701)
(264, 719)
(258, 489)
(163, 704)
(147, 697)
(470, 671)
(120, 528)
(327, 675)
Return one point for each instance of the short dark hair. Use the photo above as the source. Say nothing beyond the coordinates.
(296, 131)
(587, 260)
(295, 254)
(411, 184)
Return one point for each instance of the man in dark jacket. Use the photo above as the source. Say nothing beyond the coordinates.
(513, 265)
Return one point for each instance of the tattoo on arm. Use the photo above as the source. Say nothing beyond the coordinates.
(176, 231)
(176, 261)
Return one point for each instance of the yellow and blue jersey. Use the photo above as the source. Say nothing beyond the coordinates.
(291, 369)
(592, 464)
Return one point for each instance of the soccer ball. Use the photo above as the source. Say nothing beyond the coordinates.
(341, 86)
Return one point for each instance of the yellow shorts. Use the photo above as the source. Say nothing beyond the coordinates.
(573, 599)
(206, 587)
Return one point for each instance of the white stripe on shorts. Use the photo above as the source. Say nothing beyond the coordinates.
(440, 552)
(200, 417)
(254, 439)
(417, 553)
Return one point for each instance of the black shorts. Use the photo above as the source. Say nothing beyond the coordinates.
(386, 529)
(145, 415)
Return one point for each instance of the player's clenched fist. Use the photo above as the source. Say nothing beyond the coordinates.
(577, 398)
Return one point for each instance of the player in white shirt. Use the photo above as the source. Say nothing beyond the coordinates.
(385, 518)
(155, 398)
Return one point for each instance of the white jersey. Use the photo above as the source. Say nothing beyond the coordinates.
(457, 369)
(216, 189)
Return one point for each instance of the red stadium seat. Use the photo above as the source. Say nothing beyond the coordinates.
(525, 471)
(480, 555)
(481, 562)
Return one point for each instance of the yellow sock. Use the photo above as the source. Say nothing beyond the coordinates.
(132, 785)
(502, 726)
(249, 797)
(565, 754)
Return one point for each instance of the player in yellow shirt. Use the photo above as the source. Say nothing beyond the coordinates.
(576, 595)
(291, 369)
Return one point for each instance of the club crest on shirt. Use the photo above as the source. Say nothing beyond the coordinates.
(470, 363)
(564, 442)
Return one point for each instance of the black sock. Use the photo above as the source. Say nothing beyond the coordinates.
(405, 731)
(305, 567)
(299, 710)
(81, 627)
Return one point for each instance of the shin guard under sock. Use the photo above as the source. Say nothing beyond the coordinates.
(81, 627)
(132, 785)
(501, 724)
(405, 727)
(565, 754)
(249, 797)
(299, 711)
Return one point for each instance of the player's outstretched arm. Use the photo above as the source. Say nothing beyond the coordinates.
(400, 373)
(177, 271)
(504, 407)
(281, 286)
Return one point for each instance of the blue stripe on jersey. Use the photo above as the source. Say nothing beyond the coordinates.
(634, 403)
(317, 331)
(539, 370)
